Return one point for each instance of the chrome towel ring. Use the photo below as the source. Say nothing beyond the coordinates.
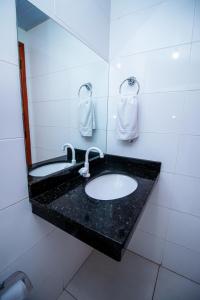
(88, 86)
(131, 82)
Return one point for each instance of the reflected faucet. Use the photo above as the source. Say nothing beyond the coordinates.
(66, 146)
(85, 170)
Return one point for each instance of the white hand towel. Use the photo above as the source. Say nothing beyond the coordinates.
(127, 118)
(86, 117)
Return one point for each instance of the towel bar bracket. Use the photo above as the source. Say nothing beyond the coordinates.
(131, 82)
(88, 86)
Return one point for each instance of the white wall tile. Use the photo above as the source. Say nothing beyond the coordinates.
(65, 296)
(41, 154)
(22, 230)
(190, 120)
(147, 245)
(183, 230)
(171, 286)
(182, 261)
(68, 82)
(161, 112)
(51, 113)
(124, 67)
(150, 28)
(188, 158)
(8, 34)
(71, 252)
(194, 70)
(13, 183)
(162, 193)
(196, 30)
(114, 280)
(154, 220)
(43, 258)
(50, 288)
(106, 6)
(165, 69)
(57, 51)
(44, 88)
(152, 146)
(81, 17)
(10, 104)
(51, 137)
(98, 139)
(52, 255)
(123, 7)
(156, 71)
(177, 192)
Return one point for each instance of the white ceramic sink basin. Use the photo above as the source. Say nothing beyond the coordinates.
(111, 186)
(49, 169)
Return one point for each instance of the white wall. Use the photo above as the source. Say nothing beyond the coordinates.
(143, 43)
(159, 43)
(87, 19)
(57, 65)
(49, 256)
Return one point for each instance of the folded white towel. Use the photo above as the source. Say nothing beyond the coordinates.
(127, 118)
(86, 116)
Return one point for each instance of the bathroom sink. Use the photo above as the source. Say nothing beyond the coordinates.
(111, 187)
(49, 169)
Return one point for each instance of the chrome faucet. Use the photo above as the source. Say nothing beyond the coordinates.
(85, 170)
(66, 146)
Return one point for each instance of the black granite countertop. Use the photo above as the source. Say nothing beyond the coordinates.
(104, 225)
(38, 185)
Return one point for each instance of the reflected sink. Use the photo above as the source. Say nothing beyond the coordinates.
(111, 187)
(49, 169)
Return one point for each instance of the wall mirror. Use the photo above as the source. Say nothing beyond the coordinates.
(62, 80)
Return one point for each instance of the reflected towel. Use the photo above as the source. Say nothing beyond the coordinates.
(127, 118)
(86, 116)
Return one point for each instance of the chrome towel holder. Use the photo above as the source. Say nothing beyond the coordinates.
(131, 82)
(88, 86)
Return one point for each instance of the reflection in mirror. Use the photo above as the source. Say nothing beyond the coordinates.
(53, 66)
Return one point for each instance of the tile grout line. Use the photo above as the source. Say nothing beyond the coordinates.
(156, 283)
(34, 100)
(187, 278)
(15, 203)
(11, 139)
(124, 56)
(66, 286)
(9, 62)
(164, 240)
(113, 19)
(70, 295)
(174, 209)
(145, 258)
(27, 250)
(64, 69)
(159, 92)
(178, 134)
(113, 96)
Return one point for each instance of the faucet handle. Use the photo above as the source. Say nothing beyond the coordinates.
(84, 171)
(101, 155)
